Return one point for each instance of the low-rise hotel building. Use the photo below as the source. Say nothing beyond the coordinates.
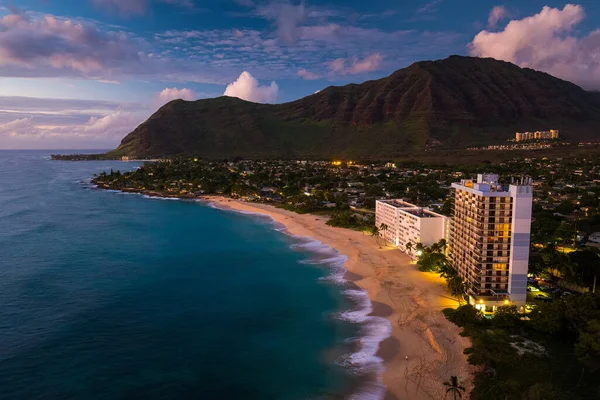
(537, 135)
(406, 223)
(490, 237)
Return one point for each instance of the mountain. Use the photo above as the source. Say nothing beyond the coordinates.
(452, 103)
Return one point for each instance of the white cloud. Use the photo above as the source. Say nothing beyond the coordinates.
(246, 87)
(112, 126)
(497, 14)
(169, 94)
(355, 66)
(309, 76)
(546, 41)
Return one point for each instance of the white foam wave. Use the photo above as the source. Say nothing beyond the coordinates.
(160, 197)
(373, 332)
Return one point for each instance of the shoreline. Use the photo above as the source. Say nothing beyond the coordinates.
(410, 300)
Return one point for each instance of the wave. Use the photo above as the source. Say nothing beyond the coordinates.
(373, 329)
(145, 196)
(365, 360)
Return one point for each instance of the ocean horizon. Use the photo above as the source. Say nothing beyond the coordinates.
(110, 295)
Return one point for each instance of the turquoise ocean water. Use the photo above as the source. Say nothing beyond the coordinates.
(106, 295)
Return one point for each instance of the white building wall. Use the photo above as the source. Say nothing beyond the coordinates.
(432, 230)
(405, 227)
(521, 235)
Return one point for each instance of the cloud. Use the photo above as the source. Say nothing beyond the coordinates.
(18, 127)
(112, 126)
(169, 94)
(60, 44)
(67, 107)
(27, 122)
(498, 13)
(309, 76)
(430, 6)
(246, 87)
(288, 19)
(127, 8)
(355, 66)
(546, 41)
(123, 7)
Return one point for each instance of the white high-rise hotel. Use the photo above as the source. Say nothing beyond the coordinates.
(489, 236)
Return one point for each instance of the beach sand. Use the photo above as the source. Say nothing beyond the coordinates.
(409, 299)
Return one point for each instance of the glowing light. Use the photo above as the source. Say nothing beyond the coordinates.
(419, 253)
(481, 301)
(505, 301)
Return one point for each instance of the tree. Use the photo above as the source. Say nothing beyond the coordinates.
(506, 316)
(383, 228)
(409, 246)
(457, 287)
(419, 247)
(375, 232)
(454, 388)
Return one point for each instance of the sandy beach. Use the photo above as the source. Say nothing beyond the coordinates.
(409, 299)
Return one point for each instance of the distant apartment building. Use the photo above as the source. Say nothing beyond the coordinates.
(407, 223)
(537, 135)
(489, 242)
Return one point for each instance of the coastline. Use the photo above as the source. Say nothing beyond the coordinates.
(410, 300)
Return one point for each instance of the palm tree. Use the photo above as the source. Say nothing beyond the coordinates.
(454, 388)
(442, 245)
(383, 228)
(375, 232)
(409, 247)
(419, 247)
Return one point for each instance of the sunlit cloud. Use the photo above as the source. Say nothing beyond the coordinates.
(246, 87)
(546, 41)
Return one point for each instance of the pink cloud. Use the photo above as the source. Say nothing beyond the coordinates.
(169, 94)
(127, 8)
(60, 44)
(309, 76)
(497, 14)
(112, 126)
(546, 41)
(355, 66)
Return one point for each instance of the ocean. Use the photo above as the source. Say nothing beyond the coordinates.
(105, 295)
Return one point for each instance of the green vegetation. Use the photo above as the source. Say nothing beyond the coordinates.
(521, 359)
(433, 259)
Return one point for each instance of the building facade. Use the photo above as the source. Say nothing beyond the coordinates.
(406, 223)
(537, 135)
(489, 242)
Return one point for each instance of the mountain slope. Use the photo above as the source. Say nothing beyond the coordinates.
(451, 103)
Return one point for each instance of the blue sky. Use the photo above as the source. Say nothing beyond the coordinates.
(113, 62)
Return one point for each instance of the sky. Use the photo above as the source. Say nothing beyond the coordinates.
(82, 74)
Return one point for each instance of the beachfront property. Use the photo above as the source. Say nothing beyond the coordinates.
(537, 135)
(489, 242)
(406, 223)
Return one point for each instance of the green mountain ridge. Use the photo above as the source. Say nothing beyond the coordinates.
(446, 104)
